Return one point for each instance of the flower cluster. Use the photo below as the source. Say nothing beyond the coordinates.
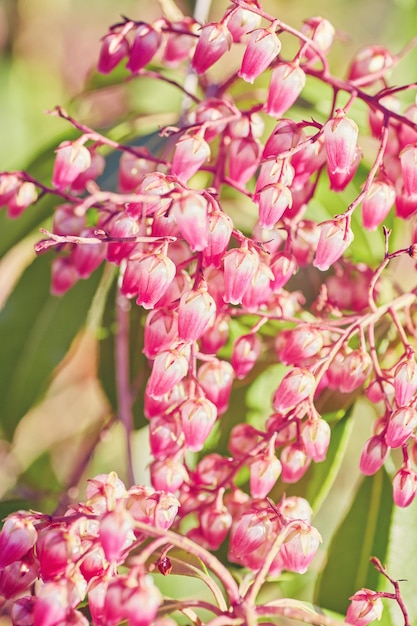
(184, 257)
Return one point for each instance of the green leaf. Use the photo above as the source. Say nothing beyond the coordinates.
(363, 533)
(401, 560)
(36, 331)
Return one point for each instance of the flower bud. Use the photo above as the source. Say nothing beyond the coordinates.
(401, 425)
(190, 212)
(295, 463)
(265, 470)
(297, 385)
(17, 537)
(366, 606)
(300, 547)
(240, 265)
(191, 151)
(169, 367)
(315, 435)
(214, 41)
(246, 351)
(404, 486)
(144, 47)
(198, 416)
(148, 278)
(377, 204)
(72, 158)
(244, 156)
(216, 378)
(287, 82)
(242, 21)
(340, 137)
(405, 381)
(113, 49)
(335, 238)
(373, 456)
(262, 48)
(273, 201)
(368, 62)
(196, 310)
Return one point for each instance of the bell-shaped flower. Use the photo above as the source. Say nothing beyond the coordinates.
(242, 21)
(287, 82)
(401, 425)
(404, 486)
(216, 379)
(214, 41)
(72, 158)
(374, 454)
(365, 607)
(273, 201)
(244, 155)
(240, 266)
(161, 331)
(246, 351)
(114, 48)
(265, 470)
(294, 462)
(405, 381)
(148, 278)
(190, 212)
(340, 140)
(198, 416)
(368, 64)
(335, 238)
(377, 204)
(191, 151)
(169, 367)
(25, 195)
(300, 547)
(315, 435)
(262, 48)
(17, 537)
(145, 45)
(196, 310)
(220, 227)
(297, 385)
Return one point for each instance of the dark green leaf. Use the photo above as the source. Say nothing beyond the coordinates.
(36, 331)
(363, 533)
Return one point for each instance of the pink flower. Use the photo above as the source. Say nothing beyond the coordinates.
(262, 48)
(401, 425)
(214, 41)
(198, 416)
(265, 470)
(287, 82)
(17, 537)
(335, 238)
(71, 160)
(369, 63)
(169, 367)
(340, 140)
(216, 378)
(196, 310)
(273, 201)
(242, 21)
(300, 547)
(246, 351)
(190, 212)
(144, 47)
(148, 278)
(377, 204)
(191, 151)
(366, 606)
(404, 486)
(297, 385)
(315, 435)
(373, 456)
(295, 463)
(240, 265)
(113, 49)
(405, 381)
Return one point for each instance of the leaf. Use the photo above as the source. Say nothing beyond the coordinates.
(401, 560)
(363, 533)
(36, 331)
